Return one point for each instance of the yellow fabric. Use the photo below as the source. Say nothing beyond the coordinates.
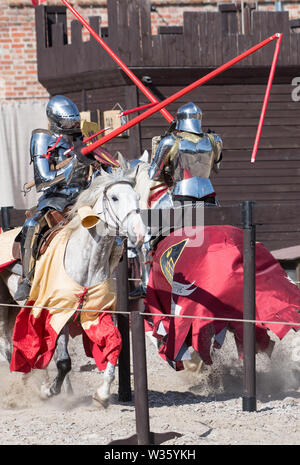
(6, 242)
(88, 128)
(52, 287)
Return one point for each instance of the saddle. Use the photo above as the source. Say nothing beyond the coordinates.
(52, 222)
(56, 221)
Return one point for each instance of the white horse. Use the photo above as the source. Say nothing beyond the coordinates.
(90, 257)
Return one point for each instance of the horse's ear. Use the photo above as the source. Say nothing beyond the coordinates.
(145, 156)
(122, 161)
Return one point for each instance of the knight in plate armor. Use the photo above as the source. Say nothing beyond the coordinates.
(184, 159)
(59, 185)
(186, 156)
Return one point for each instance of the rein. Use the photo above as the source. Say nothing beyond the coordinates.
(108, 208)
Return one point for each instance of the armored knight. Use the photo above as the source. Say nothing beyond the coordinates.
(60, 186)
(186, 157)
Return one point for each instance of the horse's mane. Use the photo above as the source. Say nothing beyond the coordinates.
(144, 184)
(89, 196)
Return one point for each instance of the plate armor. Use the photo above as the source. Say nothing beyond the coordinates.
(187, 156)
(60, 187)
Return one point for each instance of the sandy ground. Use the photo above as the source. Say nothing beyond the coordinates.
(202, 409)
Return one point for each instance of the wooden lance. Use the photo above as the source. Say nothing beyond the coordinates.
(122, 65)
(266, 99)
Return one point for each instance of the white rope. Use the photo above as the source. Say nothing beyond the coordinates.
(63, 309)
(155, 314)
(224, 319)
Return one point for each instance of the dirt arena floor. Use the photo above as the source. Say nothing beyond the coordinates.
(202, 409)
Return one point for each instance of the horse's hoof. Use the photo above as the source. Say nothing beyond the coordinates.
(99, 402)
(45, 392)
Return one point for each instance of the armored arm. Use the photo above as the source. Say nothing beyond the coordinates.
(161, 157)
(43, 175)
(218, 146)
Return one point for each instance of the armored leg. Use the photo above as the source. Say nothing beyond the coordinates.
(28, 241)
(144, 257)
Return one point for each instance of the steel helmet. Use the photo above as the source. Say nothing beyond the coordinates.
(63, 115)
(189, 118)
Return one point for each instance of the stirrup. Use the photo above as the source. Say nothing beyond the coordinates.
(23, 290)
(138, 293)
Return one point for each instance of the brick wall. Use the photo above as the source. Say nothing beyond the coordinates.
(18, 69)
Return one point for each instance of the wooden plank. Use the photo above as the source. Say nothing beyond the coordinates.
(253, 195)
(41, 31)
(76, 33)
(58, 35)
(256, 89)
(126, 47)
(284, 27)
(156, 47)
(230, 47)
(145, 31)
(94, 22)
(232, 22)
(212, 121)
(290, 132)
(265, 215)
(112, 17)
(215, 22)
(237, 165)
(279, 227)
(172, 52)
(170, 30)
(264, 154)
(265, 143)
(268, 187)
(188, 27)
(164, 49)
(134, 142)
(179, 48)
(254, 175)
(200, 41)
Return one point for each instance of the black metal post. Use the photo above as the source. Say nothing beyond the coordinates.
(5, 218)
(124, 392)
(140, 379)
(249, 264)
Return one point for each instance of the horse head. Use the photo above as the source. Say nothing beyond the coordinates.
(114, 206)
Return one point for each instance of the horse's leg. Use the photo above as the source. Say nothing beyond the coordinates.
(102, 395)
(5, 346)
(5, 329)
(63, 363)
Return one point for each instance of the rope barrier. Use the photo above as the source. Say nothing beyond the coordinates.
(155, 314)
(63, 309)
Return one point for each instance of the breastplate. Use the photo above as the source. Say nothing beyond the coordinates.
(192, 167)
(193, 159)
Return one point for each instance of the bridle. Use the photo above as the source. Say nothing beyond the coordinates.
(108, 210)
